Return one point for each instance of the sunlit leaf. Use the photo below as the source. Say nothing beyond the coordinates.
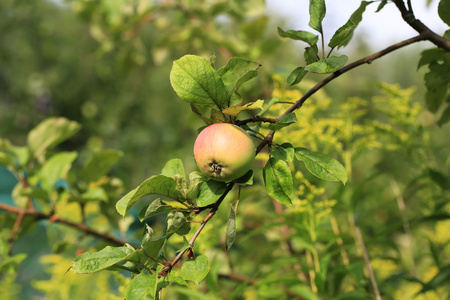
(142, 286)
(90, 262)
(210, 192)
(155, 185)
(174, 221)
(173, 167)
(99, 164)
(196, 82)
(152, 251)
(95, 194)
(321, 165)
(287, 120)
(156, 207)
(278, 180)
(236, 110)
(56, 168)
(296, 75)
(284, 152)
(195, 270)
(176, 278)
(236, 72)
(328, 65)
(50, 133)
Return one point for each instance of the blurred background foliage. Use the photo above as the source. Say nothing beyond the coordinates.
(106, 64)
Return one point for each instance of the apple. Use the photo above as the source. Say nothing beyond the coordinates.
(224, 152)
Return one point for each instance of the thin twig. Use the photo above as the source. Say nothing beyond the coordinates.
(367, 262)
(366, 60)
(165, 271)
(402, 207)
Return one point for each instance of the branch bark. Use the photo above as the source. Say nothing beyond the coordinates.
(366, 60)
(427, 33)
(55, 219)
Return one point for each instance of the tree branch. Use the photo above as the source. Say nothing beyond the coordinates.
(55, 219)
(427, 33)
(165, 271)
(366, 60)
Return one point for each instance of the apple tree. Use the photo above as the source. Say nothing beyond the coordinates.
(284, 152)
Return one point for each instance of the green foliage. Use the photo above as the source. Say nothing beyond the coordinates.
(339, 188)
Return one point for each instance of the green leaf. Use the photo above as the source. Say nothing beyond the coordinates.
(147, 239)
(37, 193)
(142, 286)
(5, 159)
(195, 270)
(381, 5)
(50, 133)
(445, 117)
(441, 279)
(437, 82)
(236, 72)
(175, 220)
(343, 35)
(155, 185)
(284, 152)
(154, 208)
(152, 251)
(246, 179)
(196, 82)
(287, 120)
(278, 180)
(299, 35)
(328, 65)
(236, 110)
(317, 11)
(444, 11)
(173, 167)
(321, 165)
(230, 235)
(176, 278)
(56, 168)
(439, 178)
(311, 54)
(95, 194)
(99, 164)
(272, 101)
(296, 76)
(196, 179)
(90, 262)
(433, 55)
(210, 192)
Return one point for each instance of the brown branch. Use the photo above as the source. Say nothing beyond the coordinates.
(427, 33)
(366, 60)
(165, 271)
(55, 219)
